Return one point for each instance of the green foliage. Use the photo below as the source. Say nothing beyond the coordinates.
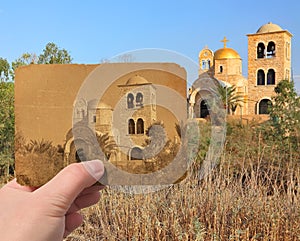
(230, 97)
(4, 69)
(25, 59)
(6, 114)
(7, 122)
(285, 115)
(53, 55)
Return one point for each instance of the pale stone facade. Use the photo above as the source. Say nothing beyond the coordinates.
(278, 59)
(269, 61)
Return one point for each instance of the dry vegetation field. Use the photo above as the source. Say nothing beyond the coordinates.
(253, 194)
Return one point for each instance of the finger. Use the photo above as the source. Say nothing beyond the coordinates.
(70, 182)
(94, 188)
(84, 201)
(13, 184)
(72, 221)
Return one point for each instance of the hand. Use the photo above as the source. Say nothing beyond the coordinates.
(51, 211)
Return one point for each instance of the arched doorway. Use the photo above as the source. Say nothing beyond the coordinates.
(79, 151)
(136, 154)
(203, 109)
(264, 106)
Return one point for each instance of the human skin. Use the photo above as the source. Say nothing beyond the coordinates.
(50, 212)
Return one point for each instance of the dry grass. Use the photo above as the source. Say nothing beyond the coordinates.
(225, 206)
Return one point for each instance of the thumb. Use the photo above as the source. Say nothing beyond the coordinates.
(72, 180)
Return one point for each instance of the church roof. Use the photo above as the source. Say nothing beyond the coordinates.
(269, 27)
(94, 104)
(137, 80)
(103, 105)
(226, 53)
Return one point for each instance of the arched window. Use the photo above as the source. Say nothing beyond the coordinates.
(139, 99)
(131, 127)
(130, 99)
(136, 154)
(140, 126)
(203, 64)
(287, 50)
(260, 50)
(264, 106)
(260, 77)
(287, 74)
(271, 77)
(221, 69)
(271, 49)
(203, 109)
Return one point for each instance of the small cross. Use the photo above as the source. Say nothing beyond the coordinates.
(225, 40)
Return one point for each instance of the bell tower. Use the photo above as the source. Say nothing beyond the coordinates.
(269, 61)
(206, 58)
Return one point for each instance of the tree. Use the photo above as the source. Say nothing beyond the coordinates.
(53, 55)
(230, 98)
(6, 125)
(285, 111)
(4, 69)
(107, 144)
(25, 59)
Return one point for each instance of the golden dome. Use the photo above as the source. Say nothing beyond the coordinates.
(269, 27)
(226, 53)
(103, 105)
(137, 80)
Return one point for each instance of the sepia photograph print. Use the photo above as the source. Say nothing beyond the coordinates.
(55, 127)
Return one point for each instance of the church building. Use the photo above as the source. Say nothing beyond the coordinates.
(269, 61)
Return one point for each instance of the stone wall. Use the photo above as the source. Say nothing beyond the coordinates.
(281, 62)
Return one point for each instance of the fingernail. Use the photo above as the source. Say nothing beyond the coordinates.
(95, 168)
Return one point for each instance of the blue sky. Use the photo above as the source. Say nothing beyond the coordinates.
(94, 30)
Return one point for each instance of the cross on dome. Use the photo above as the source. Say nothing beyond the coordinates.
(225, 40)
